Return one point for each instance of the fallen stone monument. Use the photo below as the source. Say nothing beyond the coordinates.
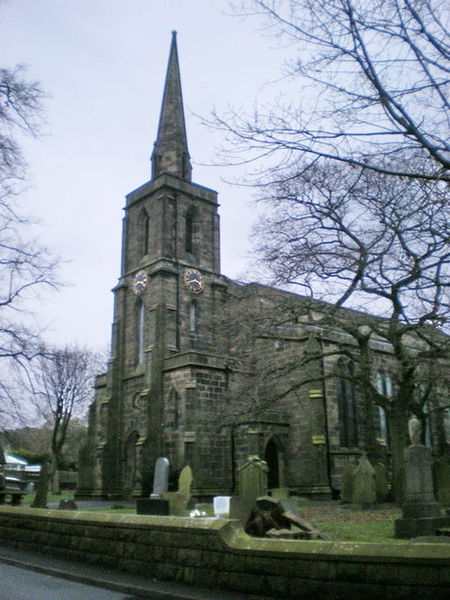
(269, 519)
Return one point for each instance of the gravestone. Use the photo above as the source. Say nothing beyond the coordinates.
(178, 501)
(280, 493)
(253, 478)
(184, 484)
(156, 504)
(161, 477)
(441, 479)
(177, 504)
(364, 483)
(221, 507)
(40, 498)
(421, 514)
(347, 484)
(240, 508)
(381, 482)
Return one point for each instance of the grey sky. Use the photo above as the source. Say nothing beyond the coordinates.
(103, 65)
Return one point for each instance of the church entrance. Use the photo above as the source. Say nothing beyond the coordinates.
(272, 458)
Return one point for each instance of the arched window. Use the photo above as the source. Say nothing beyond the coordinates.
(193, 317)
(174, 412)
(144, 232)
(348, 437)
(139, 332)
(189, 230)
(384, 387)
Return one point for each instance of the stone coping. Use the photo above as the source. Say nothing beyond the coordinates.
(234, 539)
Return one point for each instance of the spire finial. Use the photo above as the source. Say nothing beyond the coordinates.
(170, 154)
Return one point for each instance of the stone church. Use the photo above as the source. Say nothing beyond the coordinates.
(169, 382)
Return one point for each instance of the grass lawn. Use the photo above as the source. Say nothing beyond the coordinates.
(347, 524)
(339, 522)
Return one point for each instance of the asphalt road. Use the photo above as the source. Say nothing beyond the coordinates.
(26, 575)
(21, 584)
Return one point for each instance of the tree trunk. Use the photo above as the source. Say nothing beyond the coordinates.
(398, 434)
(54, 474)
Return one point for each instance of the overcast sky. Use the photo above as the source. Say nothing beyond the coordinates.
(103, 64)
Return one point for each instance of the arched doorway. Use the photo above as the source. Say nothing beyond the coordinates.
(272, 458)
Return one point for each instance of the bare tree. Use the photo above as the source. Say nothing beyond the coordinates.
(355, 178)
(374, 85)
(60, 388)
(352, 238)
(26, 267)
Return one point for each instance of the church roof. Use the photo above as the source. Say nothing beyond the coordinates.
(170, 153)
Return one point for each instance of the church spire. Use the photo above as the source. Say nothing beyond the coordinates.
(170, 153)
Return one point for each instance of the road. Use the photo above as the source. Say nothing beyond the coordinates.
(21, 584)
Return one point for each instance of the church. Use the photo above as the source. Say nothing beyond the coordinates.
(170, 384)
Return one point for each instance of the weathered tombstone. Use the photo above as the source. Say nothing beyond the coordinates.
(441, 478)
(161, 477)
(347, 484)
(156, 504)
(253, 478)
(364, 483)
(177, 504)
(421, 514)
(178, 501)
(40, 498)
(279, 493)
(184, 484)
(381, 482)
(240, 508)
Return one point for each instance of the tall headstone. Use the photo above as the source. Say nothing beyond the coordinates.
(184, 483)
(156, 504)
(441, 479)
(347, 484)
(421, 514)
(253, 478)
(381, 482)
(364, 492)
(40, 498)
(161, 477)
(178, 501)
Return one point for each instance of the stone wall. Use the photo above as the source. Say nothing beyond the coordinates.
(217, 553)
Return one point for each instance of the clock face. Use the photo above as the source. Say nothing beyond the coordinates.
(140, 282)
(193, 280)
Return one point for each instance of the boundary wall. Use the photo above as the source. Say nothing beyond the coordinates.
(217, 553)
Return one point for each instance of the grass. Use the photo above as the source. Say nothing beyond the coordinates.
(64, 495)
(348, 524)
(339, 522)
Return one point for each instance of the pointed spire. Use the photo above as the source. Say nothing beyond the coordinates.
(170, 154)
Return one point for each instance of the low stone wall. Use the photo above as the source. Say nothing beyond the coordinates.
(218, 554)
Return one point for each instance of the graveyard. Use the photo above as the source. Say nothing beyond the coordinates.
(261, 541)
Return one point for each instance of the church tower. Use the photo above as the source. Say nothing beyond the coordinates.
(164, 385)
